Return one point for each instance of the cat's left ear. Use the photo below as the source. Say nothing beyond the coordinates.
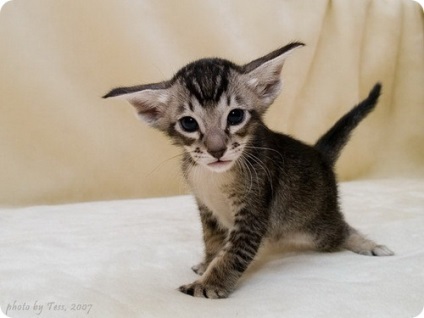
(150, 101)
(263, 75)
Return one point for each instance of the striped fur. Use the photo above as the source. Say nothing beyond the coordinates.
(251, 184)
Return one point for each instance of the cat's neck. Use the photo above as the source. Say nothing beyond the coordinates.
(213, 190)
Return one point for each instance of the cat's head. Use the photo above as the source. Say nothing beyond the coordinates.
(211, 106)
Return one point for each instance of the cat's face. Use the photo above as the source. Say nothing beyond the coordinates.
(211, 106)
(214, 135)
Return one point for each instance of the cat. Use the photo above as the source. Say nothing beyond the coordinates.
(250, 183)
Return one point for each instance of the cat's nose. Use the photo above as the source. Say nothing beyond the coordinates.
(217, 153)
(216, 143)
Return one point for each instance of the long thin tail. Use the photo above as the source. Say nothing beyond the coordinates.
(332, 142)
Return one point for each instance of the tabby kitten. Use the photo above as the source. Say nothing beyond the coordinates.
(250, 183)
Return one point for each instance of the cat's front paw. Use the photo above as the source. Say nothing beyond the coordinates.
(198, 289)
(200, 268)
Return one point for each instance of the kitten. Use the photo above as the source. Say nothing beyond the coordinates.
(250, 183)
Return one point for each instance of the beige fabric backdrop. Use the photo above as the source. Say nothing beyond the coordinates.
(61, 142)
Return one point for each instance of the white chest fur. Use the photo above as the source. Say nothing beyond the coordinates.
(210, 189)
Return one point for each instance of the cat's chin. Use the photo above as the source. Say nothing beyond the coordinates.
(220, 166)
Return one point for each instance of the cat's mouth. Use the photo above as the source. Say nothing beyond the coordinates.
(220, 165)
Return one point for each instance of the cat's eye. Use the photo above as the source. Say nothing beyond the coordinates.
(189, 124)
(235, 117)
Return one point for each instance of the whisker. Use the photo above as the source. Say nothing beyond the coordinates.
(163, 162)
(249, 146)
(244, 165)
(263, 167)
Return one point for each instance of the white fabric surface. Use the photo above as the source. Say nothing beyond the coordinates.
(127, 258)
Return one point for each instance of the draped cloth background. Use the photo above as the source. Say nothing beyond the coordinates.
(60, 142)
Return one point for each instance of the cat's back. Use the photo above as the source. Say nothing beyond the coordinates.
(300, 167)
(291, 151)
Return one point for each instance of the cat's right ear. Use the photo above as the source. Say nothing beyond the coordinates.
(150, 101)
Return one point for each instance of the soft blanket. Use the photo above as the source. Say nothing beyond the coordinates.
(127, 258)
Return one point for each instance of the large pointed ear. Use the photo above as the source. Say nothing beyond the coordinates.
(150, 101)
(263, 75)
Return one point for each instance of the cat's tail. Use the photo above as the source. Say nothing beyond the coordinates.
(332, 142)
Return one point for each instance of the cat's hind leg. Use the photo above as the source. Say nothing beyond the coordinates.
(358, 243)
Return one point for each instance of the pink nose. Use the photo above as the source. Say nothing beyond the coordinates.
(216, 143)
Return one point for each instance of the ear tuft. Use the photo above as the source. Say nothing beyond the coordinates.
(281, 52)
(115, 92)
